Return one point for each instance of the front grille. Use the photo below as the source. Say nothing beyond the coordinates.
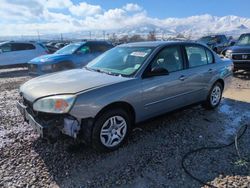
(241, 57)
(32, 67)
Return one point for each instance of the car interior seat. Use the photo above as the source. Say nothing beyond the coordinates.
(171, 63)
(195, 60)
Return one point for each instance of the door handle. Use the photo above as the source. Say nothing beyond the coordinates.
(182, 78)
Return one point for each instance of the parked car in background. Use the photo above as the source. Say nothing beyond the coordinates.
(19, 53)
(240, 53)
(52, 49)
(74, 55)
(216, 42)
(127, 84)
(54, 46)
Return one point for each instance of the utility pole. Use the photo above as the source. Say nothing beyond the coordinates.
(61, 37)
(90, 35)
(38, 35)
(104, 34)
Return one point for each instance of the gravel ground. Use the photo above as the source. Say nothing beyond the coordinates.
(151, 158)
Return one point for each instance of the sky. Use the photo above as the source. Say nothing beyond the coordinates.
(27, 17)
(183, 8)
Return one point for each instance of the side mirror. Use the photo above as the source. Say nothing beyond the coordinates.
(157, 71)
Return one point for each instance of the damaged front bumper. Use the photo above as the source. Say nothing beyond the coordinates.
(28, 118)
(50, 125)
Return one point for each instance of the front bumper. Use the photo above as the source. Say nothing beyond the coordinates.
(49, 125)
(39, 128)
(37, 70)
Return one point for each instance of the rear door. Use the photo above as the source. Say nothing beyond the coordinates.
(200, 70)
(22, 52)
(167, 92)
(27, 51)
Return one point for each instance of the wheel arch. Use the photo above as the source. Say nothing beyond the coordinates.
(221, 81)
(119, 104)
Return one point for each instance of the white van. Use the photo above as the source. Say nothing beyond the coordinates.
(16, 53)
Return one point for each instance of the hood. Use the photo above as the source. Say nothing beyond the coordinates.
(49, 58)
(240, 49)
(66, 82)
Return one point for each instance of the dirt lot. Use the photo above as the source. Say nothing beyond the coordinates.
(151, 158)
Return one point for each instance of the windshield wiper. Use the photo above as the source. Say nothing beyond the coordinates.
(106, 72)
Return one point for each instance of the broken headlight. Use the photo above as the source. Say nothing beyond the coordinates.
(58, 104)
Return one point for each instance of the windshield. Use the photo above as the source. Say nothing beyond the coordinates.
(123, 61)
(244, 40)
(69, 49)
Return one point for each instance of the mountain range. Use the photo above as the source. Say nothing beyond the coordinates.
(191, 27)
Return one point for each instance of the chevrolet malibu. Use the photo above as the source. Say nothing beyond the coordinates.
(100, 103)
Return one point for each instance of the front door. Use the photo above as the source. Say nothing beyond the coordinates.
(166, 92)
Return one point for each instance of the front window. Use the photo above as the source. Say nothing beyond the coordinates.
(123, 61)
(69, 49)
(169, 58)
(244, 40)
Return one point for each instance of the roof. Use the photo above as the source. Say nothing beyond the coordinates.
(154, 43)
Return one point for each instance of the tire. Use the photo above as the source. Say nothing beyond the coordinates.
(106, 138)
(214, 96)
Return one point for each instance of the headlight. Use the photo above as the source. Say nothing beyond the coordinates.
(229, 54)
(46, 67)
(58, 104)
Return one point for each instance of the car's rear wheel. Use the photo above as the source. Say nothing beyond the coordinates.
(111, 130)
(214, 97)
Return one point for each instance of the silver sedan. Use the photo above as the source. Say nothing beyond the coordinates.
(130, 83)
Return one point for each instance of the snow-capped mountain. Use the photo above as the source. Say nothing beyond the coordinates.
(191, 27)
(194, 26)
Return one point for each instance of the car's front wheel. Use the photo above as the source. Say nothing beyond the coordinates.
(214, 97)
(111, 130)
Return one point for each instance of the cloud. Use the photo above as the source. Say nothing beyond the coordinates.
(50, 16)
(85, 9)
(26, 17)
(58, 4)
(132, 7)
